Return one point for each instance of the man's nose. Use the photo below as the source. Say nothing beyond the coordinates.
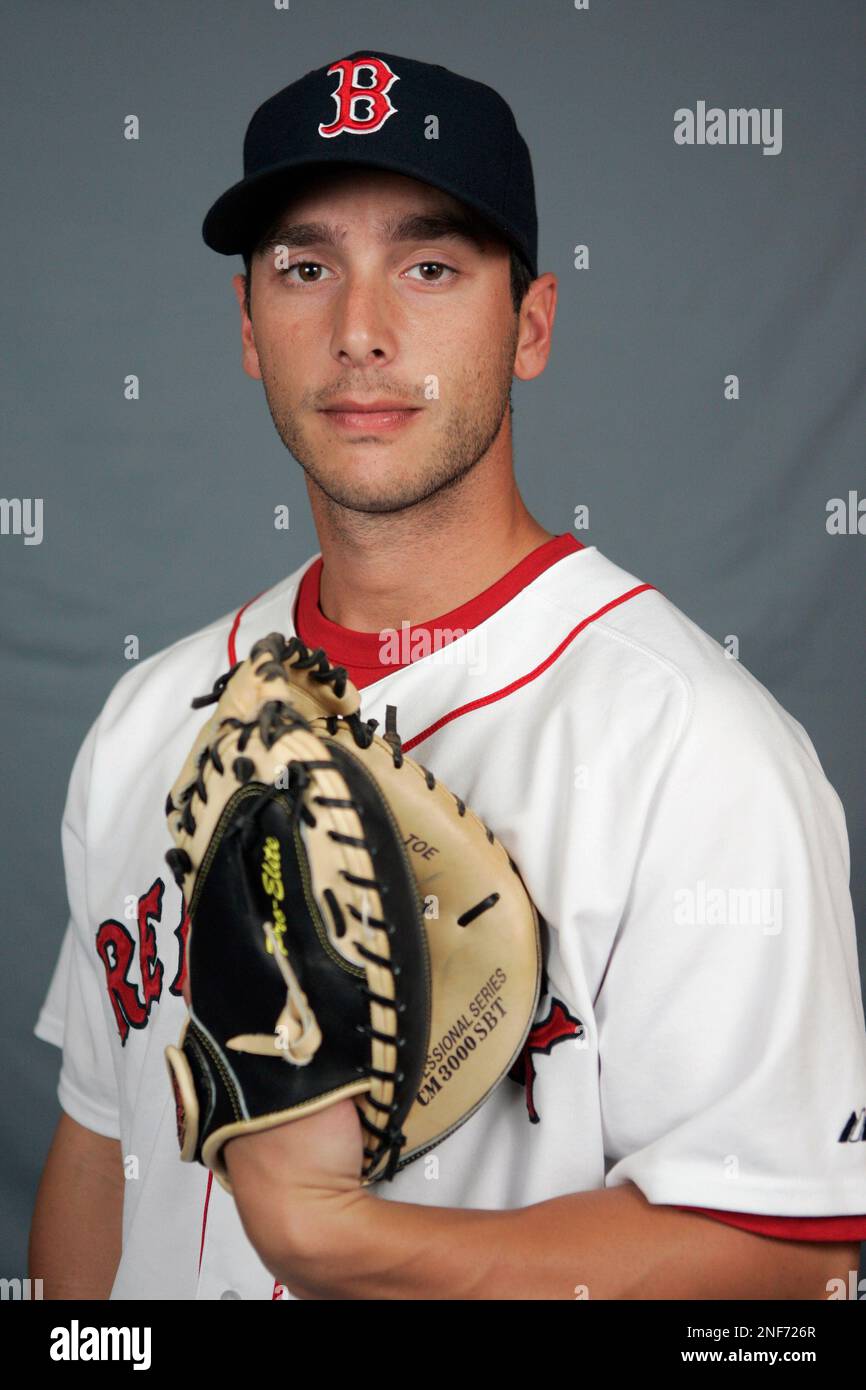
(364, 330)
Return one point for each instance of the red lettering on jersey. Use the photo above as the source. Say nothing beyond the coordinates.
(116, 949)
(373, 99)
(543, 1036)
(181, 932)
(150, 910)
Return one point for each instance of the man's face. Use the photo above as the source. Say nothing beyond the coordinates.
(349, 315)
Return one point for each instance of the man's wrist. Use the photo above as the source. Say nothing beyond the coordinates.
(300, 1221)
(329, 1231)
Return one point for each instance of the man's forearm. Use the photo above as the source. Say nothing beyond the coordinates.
(75, 1234)
(324, 1236)
(605, 1244)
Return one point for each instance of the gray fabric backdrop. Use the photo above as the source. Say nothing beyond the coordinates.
(158, 514)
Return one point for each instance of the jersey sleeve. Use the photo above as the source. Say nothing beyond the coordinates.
(732, 1048)
(73, 1015)
(49, 1024)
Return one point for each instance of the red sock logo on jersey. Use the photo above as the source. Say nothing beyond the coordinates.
(350, 96)
(559, 1024)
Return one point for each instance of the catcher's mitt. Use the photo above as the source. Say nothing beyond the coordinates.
(354, 930)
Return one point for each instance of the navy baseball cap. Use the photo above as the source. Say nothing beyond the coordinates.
(374, 108)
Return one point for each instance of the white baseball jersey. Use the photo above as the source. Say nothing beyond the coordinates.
(701, 1029)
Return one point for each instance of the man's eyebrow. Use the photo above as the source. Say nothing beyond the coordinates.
(416, 226)
(434, 226)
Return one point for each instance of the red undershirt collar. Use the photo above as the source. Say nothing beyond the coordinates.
(360, 652)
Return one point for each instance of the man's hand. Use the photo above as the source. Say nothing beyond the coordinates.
(297, 1187)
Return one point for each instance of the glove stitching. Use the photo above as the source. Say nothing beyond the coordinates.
(241, 795)
(227, 1079)
(194, 1046)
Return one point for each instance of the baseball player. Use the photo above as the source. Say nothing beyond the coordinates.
(687, 1117)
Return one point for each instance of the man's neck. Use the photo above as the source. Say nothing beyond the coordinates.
(379, 571)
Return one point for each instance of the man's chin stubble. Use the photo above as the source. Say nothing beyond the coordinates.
(444, 479)
(412, 494)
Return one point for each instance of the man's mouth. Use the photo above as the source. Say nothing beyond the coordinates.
(377, 417)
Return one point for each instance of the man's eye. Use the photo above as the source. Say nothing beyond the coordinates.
(310, 272)
(435, 266)
(303, 266)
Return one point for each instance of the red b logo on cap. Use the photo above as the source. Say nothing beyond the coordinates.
(348, 93)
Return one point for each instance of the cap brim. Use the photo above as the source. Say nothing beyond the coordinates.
(240, 216)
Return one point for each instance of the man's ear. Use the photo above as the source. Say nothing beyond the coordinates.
(249, 356)
(537, 313)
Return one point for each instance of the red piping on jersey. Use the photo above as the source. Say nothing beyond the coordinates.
(233, 651)
(204, 1218)
(530, 675)
(791, 1227)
